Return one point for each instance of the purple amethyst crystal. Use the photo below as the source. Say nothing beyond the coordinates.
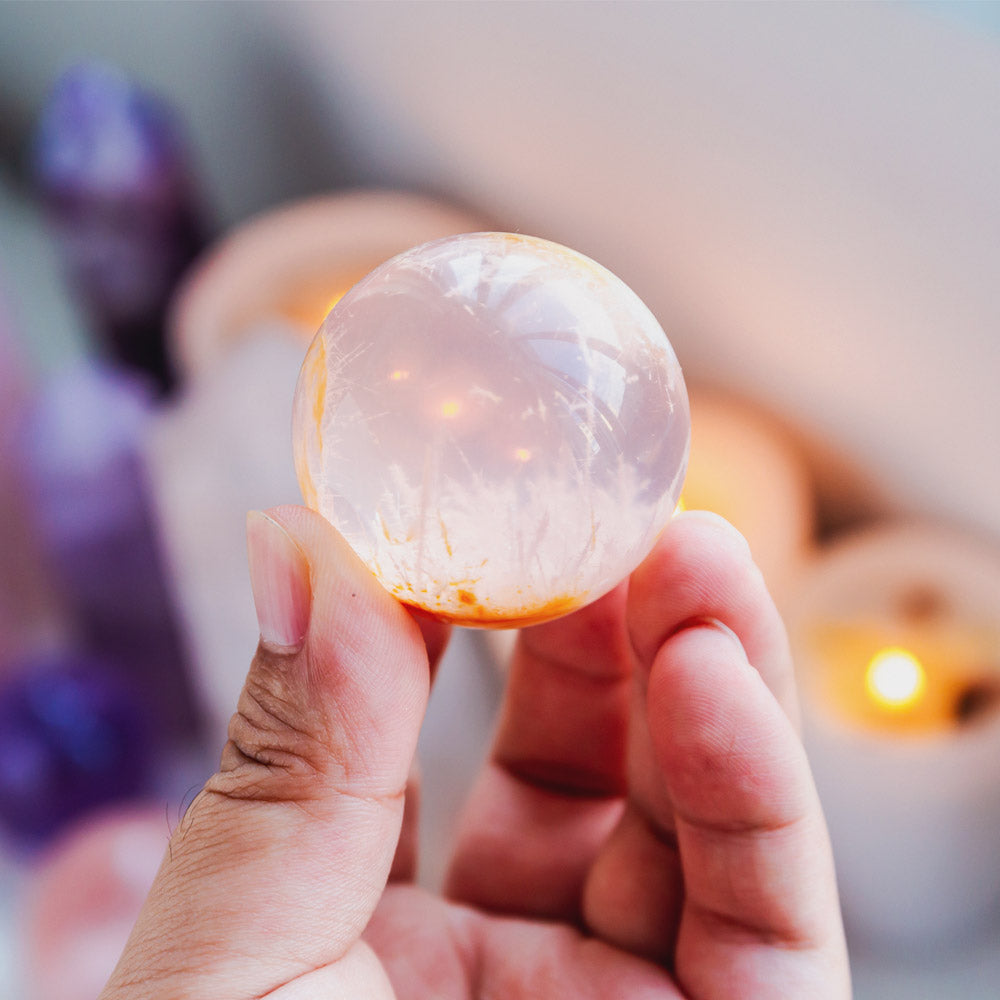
(80, 451)
(73, 736)
(112, 169)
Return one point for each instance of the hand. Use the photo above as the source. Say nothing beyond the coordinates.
(646, 828)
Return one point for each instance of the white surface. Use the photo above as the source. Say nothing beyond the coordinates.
(971, 973)
(454, 742)
(220, 450)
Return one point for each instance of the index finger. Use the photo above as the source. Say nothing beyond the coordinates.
(701, 570)
(720, 865)
(760, 902)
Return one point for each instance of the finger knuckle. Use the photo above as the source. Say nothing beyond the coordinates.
(276, 746)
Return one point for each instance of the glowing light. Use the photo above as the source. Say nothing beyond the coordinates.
(307, 307)
(681, 506)
(450, 409)
(399, 375)
(895, 678)
(333, 301)
(522, 455)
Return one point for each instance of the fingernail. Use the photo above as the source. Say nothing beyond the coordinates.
(279, 578)
(723, 629)
(716, 625)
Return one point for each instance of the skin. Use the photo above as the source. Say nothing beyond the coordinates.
(646, 827)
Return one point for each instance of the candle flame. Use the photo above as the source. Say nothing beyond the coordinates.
(895, 678)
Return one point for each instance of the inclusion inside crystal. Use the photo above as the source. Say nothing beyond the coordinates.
(496, 424)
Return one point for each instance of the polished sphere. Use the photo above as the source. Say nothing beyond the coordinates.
(496, 424)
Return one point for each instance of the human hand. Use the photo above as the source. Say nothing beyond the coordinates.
(646, 827)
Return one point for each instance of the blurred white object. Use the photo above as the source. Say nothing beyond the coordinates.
(292, 263)
(454, 741)
(222, 450)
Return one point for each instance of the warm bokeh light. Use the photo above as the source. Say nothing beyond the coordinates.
(399, 375)
(450, 408)
(895, 678)
(306, 306)
(522, 455)
(334, 300)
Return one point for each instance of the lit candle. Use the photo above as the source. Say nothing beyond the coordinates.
(904, 676)
(291, 265)
(896, 634)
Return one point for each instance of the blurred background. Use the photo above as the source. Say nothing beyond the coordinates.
(804, 194)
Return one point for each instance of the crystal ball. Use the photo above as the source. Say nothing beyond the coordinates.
(497, 425)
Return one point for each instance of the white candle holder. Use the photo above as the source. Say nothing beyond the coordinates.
(291, 264)
(896, 635)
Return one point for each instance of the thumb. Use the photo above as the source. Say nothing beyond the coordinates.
(279, 862)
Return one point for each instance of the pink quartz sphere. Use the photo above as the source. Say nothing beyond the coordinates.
(83, 897)
(496, 424)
